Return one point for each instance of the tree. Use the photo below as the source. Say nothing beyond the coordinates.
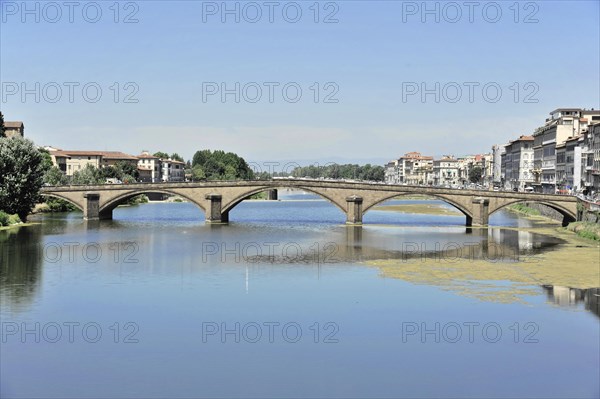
(55, 177)
(161, 155)
(475, 174)
(198, 173)
(127, 168)
(2, 127)
(219, 165)
(175, 156)
(47, 163)
(21, 175)
(88, 176)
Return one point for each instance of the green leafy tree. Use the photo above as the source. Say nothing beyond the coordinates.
(88, 176)
(110, 172)
(161, 155)
(2, 127)
(175, 156)
(125, 168)
(219, 165)
(198, 173)
(21, 175)
(475, 174)
(55, 177)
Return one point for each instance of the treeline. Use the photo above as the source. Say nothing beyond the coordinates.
(346, 171)
(219, 165)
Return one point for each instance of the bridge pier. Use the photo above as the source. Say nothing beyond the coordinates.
(215, 213)
(272, 195)
(354, 211)
(91, 209)
(481, 212)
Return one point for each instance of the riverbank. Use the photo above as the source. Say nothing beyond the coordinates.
(9, 221)
(587, 230)
(573, 264)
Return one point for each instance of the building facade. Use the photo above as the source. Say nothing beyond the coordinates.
(563, 124)
(446, 172)
(412, 168)
(517, 164)
(14, 129)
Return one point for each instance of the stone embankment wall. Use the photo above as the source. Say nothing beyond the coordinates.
(587, 212)
(545, 211)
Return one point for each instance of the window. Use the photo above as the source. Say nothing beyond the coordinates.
(90, 158)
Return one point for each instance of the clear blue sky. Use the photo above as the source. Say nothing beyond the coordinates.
(374, 49)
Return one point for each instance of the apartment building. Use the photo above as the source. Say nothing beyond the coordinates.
(590, 160)
(172, 170)
(72, 161)
(564, 123)
(412, 168)
(149, 167)
(445, 172)
(498, 150)
(517, 164)
(155, 170)
(488, 169)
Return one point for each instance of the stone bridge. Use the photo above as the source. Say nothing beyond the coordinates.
(217, 198)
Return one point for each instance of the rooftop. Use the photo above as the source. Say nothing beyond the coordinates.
(13, 124)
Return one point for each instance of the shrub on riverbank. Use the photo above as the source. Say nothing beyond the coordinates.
(138, 199)
(8, 220)
(524, 209)
(591, 231)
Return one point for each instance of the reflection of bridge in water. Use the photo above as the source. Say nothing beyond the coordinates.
(20, 277)
(217, 198)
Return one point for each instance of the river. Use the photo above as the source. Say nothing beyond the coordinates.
(287, 301)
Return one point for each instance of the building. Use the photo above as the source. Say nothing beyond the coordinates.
(412, 168)
(445, 172)
(498, 151)
(590, 160)
(564, 123)
(391, 172)
(149, 167)
(155, 170)
(173, 170)
(72, 161)
(13, 129)
(517, 164)
(488, 170)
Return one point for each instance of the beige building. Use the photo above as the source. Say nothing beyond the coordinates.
(13, 129)
(517, 164)
(412, 168)
(72, 161)
(564, 123)
(150, 168)
(445, 172)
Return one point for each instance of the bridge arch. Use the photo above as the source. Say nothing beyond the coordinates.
(464, 210)
(568, 215)
(107, 208)
(64, 198)
(241, 197)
